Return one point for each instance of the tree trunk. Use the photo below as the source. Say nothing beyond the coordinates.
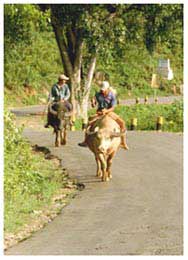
(85, 101)
(72, 64)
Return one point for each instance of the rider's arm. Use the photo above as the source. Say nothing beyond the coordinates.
(67, 93)
(106, 111)
(53, 94)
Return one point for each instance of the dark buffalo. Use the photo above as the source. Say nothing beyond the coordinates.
(59, 117)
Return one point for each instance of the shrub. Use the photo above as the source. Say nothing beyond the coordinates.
(29, 179)
(147, 116)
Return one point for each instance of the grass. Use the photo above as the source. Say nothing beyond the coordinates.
(30, 181)
(147, 116)
(142, 92)
(20, 205)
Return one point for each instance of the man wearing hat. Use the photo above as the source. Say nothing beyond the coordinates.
(106, 102)
(60, 92)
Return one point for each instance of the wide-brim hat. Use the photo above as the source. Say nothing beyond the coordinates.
(63, 77)
(105, 85)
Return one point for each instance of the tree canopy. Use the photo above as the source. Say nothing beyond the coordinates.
(91, 35)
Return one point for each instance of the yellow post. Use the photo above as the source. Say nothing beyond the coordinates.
(73, 119)
(159, 125)
(146, 99)
(137, 100)
(84, 124)
(118, 101)
(134, 122)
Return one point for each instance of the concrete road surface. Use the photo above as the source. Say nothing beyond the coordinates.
(41, 109)
(139, 212)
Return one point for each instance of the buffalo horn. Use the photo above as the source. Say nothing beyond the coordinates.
(52, 111)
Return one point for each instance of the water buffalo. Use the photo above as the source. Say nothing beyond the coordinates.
(59, 119)
(104, 139)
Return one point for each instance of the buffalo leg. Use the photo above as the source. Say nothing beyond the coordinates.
(109, 163)
(103, 167)
(63, 136)
(99, 173)
(57, 138)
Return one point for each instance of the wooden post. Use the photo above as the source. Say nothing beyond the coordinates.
(118, 101)
(73, 118)
(137, 100)
(146, 100)
(134, 123)
(159, 124)
(174, 89)
(156, 99)
(84, 124)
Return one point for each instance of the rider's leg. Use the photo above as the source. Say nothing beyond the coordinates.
(48, 120)
(121, 123)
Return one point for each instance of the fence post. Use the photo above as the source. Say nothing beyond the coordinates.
(134, 123)
(146, 99)
(73, 119)
(159, 125)
(137, 100)
(84, 124)
(118, 101)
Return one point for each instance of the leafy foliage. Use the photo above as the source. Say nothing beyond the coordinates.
(147, 114)
(120, 35)
(21, 20)
(34, 64)
(29, 179)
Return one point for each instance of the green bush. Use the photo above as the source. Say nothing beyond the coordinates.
(147, 116)
(34, 64)
(29, 179)
(132, 71)
(32, 56)
(20, 174)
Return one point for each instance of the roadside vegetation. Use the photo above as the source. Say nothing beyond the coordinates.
(121, 41)
(30, 180)
(32, 59)
(147, 114)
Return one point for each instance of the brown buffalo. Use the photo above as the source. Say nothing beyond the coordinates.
(104, 139)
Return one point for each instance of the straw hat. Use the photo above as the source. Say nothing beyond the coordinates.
(63, 77)
(105, 85)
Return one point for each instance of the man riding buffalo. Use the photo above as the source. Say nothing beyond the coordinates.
(106, 102)
(59, 93)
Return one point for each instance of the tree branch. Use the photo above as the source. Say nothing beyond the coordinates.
(90, 75)
(78, 53)
(62, 46)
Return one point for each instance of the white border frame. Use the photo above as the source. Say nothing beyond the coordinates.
(185, 2)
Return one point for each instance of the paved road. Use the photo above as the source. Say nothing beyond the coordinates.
(40, 109)
(139, 212)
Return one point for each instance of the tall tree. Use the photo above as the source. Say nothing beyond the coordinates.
(85, 31)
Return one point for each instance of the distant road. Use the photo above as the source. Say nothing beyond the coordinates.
(40, 109)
